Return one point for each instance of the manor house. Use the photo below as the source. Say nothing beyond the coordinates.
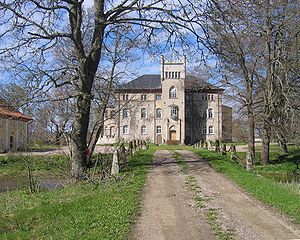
(170, 107)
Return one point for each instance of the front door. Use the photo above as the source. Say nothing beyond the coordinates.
(158, 139)
(173, 135)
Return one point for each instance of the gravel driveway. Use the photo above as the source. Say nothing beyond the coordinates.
(169, 212)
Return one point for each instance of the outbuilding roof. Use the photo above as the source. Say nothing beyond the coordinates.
(8, 111)
(153, 82)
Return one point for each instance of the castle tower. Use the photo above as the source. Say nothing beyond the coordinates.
(173, 76)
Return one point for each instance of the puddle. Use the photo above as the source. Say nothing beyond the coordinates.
(283, 177)
(49, 182)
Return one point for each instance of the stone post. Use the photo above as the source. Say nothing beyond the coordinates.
(233, 152)
(130, 148)
(223, 151)
(217, 146)
(115, 169)
(249, 166)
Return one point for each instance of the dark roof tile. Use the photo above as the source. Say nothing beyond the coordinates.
(152, 81)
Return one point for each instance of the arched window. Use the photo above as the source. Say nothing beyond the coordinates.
(158, 113)
(210, 113)
(178, 74)
(210, 130)
(144, 130)
(158, 129)
(143, 113)
(173, 92)
(125, 112)
(112, 131)
(125, 129)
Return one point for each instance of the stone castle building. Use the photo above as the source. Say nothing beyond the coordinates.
(172, 107)
(13, 128)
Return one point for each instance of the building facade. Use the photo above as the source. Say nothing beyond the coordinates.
(172, 107)
(13, 128)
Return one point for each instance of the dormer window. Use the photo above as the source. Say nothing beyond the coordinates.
(173, 92)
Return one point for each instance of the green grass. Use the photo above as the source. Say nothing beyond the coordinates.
(282, 197)
(16, 164)
(80, 211)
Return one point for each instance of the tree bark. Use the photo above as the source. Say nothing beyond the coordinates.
(282, 142)
(265, 151)
(79, 137)
(251, 143)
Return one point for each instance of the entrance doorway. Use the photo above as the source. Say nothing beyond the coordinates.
(173, 135)
(158, 139)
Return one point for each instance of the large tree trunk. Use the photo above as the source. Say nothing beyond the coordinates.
(251, 146)
(265, 151)
(79, 137)
(282, 142)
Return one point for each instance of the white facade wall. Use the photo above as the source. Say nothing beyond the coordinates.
(188, 127)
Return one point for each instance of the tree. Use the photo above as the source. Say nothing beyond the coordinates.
(230, 37)
(31, 30)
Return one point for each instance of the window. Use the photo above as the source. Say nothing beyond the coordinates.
(188, 130)
(125, 112)
(158, 130)
(144, 130)
(158, 113)
(204, 114)
(125, 97)
(172, 74)
(174, 111)
(212, 97)
(158, 96)
(204, 130)
(166, 75)
(178, 74)
(210, 113)
(172, 92)
(210, 130)
(125, 129)
(112, 114)
(143, 97)
(188, 113)
(112, 131)
(143, 113)
(188, 97)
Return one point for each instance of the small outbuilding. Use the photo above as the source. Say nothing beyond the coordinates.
(13, 128)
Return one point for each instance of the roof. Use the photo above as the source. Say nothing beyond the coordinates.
(8, 111)
(153, 82)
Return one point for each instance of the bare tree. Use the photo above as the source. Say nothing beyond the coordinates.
(231, 38)
(31, 29)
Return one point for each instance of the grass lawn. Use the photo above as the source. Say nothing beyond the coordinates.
(80, 211)
(282, 197)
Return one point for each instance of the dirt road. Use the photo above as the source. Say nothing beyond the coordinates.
(169, 210)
